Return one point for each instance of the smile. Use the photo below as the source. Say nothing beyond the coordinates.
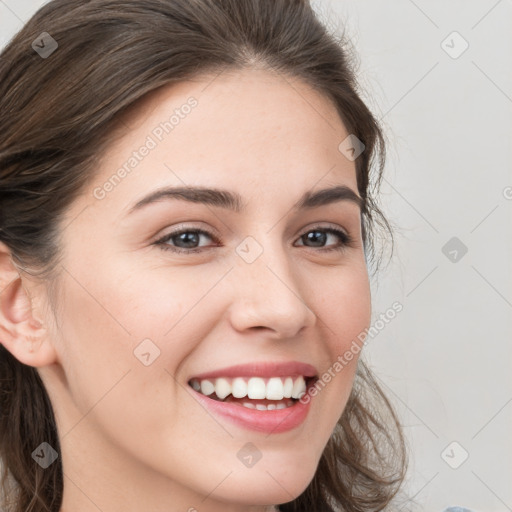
(263, 396)
(269, 405)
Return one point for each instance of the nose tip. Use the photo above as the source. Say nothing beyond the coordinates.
(272, 304)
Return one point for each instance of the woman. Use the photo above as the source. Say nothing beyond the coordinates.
(188, 210)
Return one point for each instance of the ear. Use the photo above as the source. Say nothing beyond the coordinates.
(21, 332)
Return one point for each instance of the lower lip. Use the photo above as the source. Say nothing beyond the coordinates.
(271, 422)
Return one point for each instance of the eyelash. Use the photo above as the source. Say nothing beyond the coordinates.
(346, 240)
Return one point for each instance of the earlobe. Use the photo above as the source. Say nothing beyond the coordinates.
(21, 333)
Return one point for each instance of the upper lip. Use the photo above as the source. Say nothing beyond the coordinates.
(266, 369)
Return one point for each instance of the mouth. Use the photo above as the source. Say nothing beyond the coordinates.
(261, 393)
(259, 396)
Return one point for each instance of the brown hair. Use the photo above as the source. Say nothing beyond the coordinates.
(57, 117)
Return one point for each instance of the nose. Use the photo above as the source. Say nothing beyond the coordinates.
(267, 296)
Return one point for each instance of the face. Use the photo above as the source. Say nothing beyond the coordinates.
(154, 296)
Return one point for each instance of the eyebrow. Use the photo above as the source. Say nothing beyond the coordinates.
(233, 201)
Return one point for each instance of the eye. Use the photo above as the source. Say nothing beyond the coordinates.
(319, 236)
(186, 240)
(187, 237)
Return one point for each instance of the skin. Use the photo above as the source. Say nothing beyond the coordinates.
(133, 437)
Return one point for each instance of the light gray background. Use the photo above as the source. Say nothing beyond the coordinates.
(445, 359)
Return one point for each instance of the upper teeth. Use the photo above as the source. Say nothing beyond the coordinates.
(273, 388)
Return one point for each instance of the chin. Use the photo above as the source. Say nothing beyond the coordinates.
(277, 485)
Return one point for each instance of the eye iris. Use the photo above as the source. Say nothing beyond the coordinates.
(189, 237)
(313, 237)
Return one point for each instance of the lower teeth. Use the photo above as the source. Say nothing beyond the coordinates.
(269, 407)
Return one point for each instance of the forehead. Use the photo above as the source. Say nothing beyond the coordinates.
(254, 131)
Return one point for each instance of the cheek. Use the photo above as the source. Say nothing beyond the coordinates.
(96, 342)
(345, 311)
(124, 310)
(343, 305)
(107, 325)
(174, 308)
